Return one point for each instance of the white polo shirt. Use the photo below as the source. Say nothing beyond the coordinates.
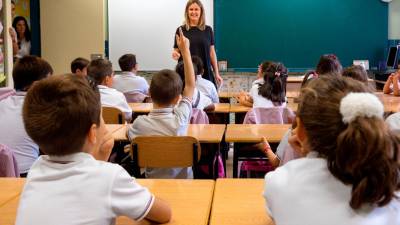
(207, 88)
(78, 190)
(13, 133)
(113, 98)
(164, 122)
(303, 191)
(258, 100)
(200, 100)
(130, 82)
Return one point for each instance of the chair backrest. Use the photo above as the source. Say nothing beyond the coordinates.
(165, 151)
(112, 115)
(199, 117)
(8, 163)
(5, 92)
(134, 96)
(273, 115)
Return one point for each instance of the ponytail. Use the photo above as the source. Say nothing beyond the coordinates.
(274, 86)
(366, 158)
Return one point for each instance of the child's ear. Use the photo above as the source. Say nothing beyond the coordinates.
(92, 134)
(176, 99)
(302, 136)
(136, 67)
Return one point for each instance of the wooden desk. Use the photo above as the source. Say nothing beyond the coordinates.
(228, 95)
(112, 128)
(239, 202)
(390, 102)
(182, 195)
(144, 108)
(205, 133)
(243, 134)
(241, 110)
(10, 188)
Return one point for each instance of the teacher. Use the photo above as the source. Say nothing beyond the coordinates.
(201, 39)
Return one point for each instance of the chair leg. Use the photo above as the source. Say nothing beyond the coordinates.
(235, 162)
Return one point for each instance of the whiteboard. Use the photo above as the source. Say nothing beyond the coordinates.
(147, 28)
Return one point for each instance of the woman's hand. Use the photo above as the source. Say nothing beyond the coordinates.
(219, 79)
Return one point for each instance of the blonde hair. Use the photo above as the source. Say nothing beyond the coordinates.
(202, 21)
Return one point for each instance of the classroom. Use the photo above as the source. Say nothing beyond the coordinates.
(200, 112)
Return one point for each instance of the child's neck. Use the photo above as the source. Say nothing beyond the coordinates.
(158, 106)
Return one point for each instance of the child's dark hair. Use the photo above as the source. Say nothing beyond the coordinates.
(28, 70)
(180, 70)
(127, 62)
(328, 63)
(99, 69)
(59, 111)
(274, 83)
(165, 86)
(357, 73)
(362, 153)
(198, 65)
(264, 65)
(79, 63)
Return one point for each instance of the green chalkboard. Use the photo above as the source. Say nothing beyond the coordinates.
(297, 32)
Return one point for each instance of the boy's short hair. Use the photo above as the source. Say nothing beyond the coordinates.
(197, 65)
(28, 70)
(356, 72)
(99, 69)
(59, 111)
(165, 86)
(79, 63)
(127, 62)
(180, 70)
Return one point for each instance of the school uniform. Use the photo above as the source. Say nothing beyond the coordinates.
(112, 98)
(77, 189)
(258, 100)
(13, 133)
(130, 82)
(207, 88)
(200, 100)
(394, 121)
(164, 122)
(303, 191)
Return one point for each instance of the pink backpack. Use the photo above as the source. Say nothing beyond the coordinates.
(8, 163)
(5, 92)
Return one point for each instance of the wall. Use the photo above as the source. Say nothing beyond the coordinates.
(70, 29)
(394, 19)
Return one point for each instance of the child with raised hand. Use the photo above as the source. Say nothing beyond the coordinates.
(392, 84)
(350, 172)
(62, 114)
(170, 115)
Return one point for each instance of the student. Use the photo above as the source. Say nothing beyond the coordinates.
(203, 85)
(357, 73)
(328, 64)
(79, 66)
(128, 81)
(101, 71)
(269, 93)
(392, 84)
(200, 100)
(166, 119)
(350, 173)
(68, 185)
(27, 70)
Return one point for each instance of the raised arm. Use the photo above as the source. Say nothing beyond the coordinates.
(386, 88)
(184, 47)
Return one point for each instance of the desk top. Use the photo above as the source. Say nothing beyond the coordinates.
(289, 94)
(238, 108)
(391, 103)
(144, 108)
(254, 132)
(178, 193)
(239, 202)
(10, 188)
(205, 133)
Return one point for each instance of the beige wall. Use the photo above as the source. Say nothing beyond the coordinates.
(70, 29)
(394, 19)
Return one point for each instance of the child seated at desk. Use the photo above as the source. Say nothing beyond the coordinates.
(267, 93)
(68, 185)
(200, 100)
(350, 172)
(392, 84)
(79, 66)
(170, 115)
(101, 71)
(203, 85)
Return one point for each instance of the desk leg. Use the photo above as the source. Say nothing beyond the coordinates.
(235, 161)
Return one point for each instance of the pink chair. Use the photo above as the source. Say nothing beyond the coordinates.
(134, 96)
(199, 117)
(5, 92)
(8, 163)
(275, 115)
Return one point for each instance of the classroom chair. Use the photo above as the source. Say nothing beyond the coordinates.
(8, 163)
(134, 96)
(275, 115)
(165, 152)
(112, 115)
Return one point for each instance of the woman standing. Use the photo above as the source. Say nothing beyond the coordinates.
(201, 39)
(22, 38)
